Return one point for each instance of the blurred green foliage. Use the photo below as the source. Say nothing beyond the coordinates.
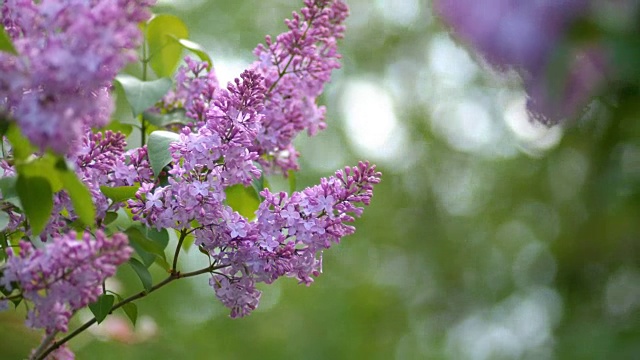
(482, 247)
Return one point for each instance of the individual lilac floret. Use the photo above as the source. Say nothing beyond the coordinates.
(64, 276)
(287, 237)
(69, 51)
(296, 65)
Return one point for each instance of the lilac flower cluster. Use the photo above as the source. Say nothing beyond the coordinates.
(254, 121)
(294, 68)
(64, 276)
(287, 237)
(69, 51)
(528, 36)
(207, 161)
(237, 134)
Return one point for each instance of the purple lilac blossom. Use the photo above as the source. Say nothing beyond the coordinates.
(69, 51)
(254, 121)
(286, 238)
(527, 36)
(64, 276)
(294, 68)
(207, 161)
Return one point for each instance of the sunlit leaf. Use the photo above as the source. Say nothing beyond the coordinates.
(102, 307)
(196, 48)
(19, 143)
(5, 42)
(119, 193)
(142, 95)
(36, 198)
(158, 148)
(80, 197)
(44, 167)
(164, 49)
(242, 199)
(291, 175)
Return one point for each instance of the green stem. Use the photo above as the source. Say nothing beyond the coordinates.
(183, 235)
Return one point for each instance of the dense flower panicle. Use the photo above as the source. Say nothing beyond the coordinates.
(207, 161)
(296, 65)
(524, 36)
(294, 68)
(287, 237)
(69, 51)
(64, 276)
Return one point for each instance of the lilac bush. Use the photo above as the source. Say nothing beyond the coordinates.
(57, 76)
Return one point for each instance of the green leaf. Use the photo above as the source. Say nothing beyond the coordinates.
(45, 167)
(36, 198)
(292, 181)
(143, 245)
(162, 120)
(242, 199)
(8, 188)
(5, 42)
(80, 197)
(143, 274)
(21, 146)
(197, 49)
(259, 184)
(121, 222)
(160, 237)
(164, 49)
(119, 193)
(142, 95)
(158, 147)
(131, 309)
(4, 221)
(102, 307)
(109, 217)
(147, 258)
(117, 126)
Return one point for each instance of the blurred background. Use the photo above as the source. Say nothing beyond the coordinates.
(490, 236)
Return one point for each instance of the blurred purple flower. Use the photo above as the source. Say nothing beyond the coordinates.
(527, 36)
